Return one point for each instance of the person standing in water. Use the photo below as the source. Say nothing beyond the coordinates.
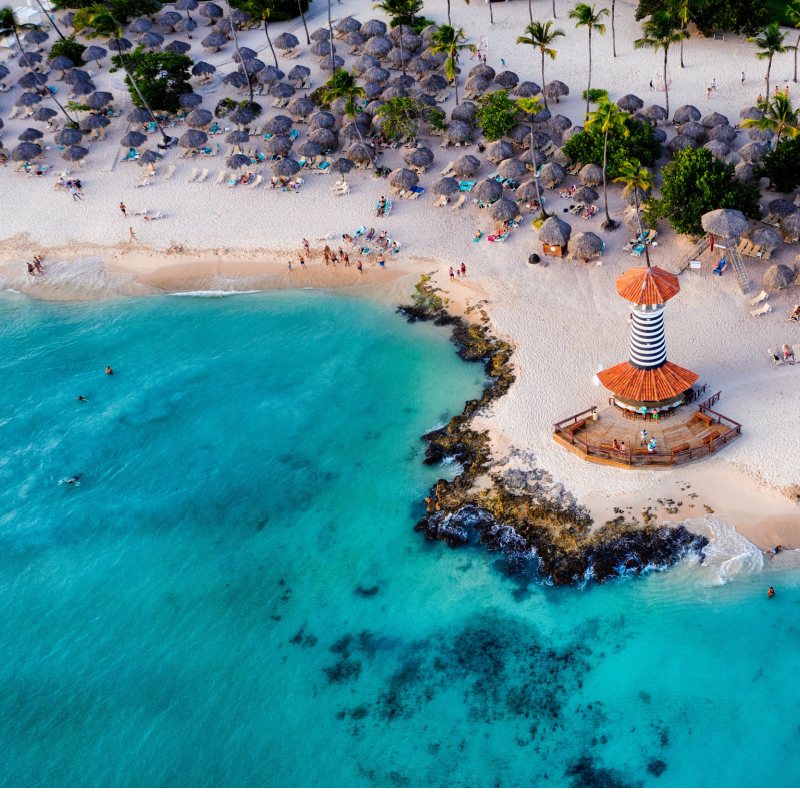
(109, 371)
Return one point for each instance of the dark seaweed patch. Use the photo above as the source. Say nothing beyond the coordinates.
(343, 671)
(586, 774)
(656, 767)
(362, 592)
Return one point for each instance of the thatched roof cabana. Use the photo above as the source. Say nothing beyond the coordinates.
(403, 178)
(752, 152)
(778, 277)
(511, 168)
(655, 114)
(782, 207)
(466, 166)
(745, 173)
(714, 119)
(555, 231)
(458, 132)
(722, 133)
(681, 142)
(630, 103)
(585, 245)
(504, 211)
(285, 168)
(585, 194)
(445, 186)
(488, 191)
(556, 89)
(686, 114)
(724, 222)
(527, 89)
(552, 175)
(790, 228)
(718, 149)
(591, 175)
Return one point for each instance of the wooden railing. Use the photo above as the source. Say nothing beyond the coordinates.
(706, 404)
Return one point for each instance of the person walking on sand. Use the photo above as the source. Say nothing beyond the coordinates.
(382, 264)
(463, 269)
(75, 195)
(360, 267)
(289, 267)
(451, 273)
(306, 248)
(643, 434)
(714, 84)
(302, 262)
(743, 79)
(346, 260)
(326, 256)
(132, 236)
(708, 93)
(123, 210)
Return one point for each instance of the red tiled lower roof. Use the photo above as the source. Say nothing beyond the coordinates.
(647, 385)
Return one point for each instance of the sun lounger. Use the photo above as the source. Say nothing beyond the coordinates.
(370, 235)
(142, 184)
(762, 295)
(157, 215)
(638, 250)
(257, 182)
(360, 232)
(795, 353)
(765, 309)
(203, 175)
(170, 172)
(575, 168)
(466, 186)
(220, 177)
(477, 238)
(193, 177)
(795, 315)
(321, 170)
(442, 201)
(577, 209)
(142, 213)
(766, 254)
(448, 170)
(743, 245)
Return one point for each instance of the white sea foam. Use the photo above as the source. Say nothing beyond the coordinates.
(214, 293)
(729, 555)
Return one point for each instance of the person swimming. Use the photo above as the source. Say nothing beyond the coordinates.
(109, 371)
(75, 479)
(771, 592)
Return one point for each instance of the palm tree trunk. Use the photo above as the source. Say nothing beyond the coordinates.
(491, 13)
(666, 85)
(554, 9)
(543, 94)
(455, 74)
(361, 139)
(589, 87)
(138, 91)
(330, 39)
(683, 24)
(797, 44)
(639, 220)
(402, 54)
(303, 17)
(530, 10)
(448, 14)
(533, 159)
(241, 60)
(613, 30)
(52, 21)
(269, 42)
(40, 81)
(769, 69)
(609, 222)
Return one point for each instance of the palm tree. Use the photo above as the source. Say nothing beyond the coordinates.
(343, 84)
(449, 21)
(265, 10)
(793, 12)
(241, 60)
(636, 177)
(608, 119)
(683, 16)
(542, 36)
(399, 11)
(586, 16)
(46, 15)
(101, 21)
(11, 26)
(779, 116)
(659, 34)
(303, 17)
(771, 42)
(451, 42)
(531, 107)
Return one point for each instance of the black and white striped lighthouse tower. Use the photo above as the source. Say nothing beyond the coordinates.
(648, 348)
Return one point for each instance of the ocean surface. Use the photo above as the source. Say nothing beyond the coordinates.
(233, 593)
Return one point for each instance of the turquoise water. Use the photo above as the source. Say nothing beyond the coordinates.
(234, 594)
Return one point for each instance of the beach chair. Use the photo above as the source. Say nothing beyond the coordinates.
(766, 254)
(775, 359)
(448, 170)
(360, 232)
(743, 245)
(795, 315)
(760, 298)
(258, 129)
(229, 151)
(142, 213)
(442, 201)
(144, 182)
(157, 215)
(220, 177)
(765, 309)
(477, 238)
(193, 177)
(577, 209)
(466, 186)
(203, 175)
(171, 170)
(257, 182)
(294, 134)
(748, 246)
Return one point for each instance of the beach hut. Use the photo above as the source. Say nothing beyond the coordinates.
(570, 132)
(714, 119)
(686, 114)
(694, 130)
(464, 112)
(286, 42)
(630, 103)
(778, 277)
(199, 118)
(724, 223)
(466, 166)
(556, 89)
(585, 245)
(488, 191)
(278, 145)
(554, 235)
(445, 186)
(591, 175)
(745, 173)
(285, 168)
(504, 211)
(752, 152)
(458, 132)
(681, 142)
(552, 175)
(647, 378)
(718, 149)
(499, 151)
(782, 207)
(130, 139)
(511, 169)
(722, 133)
(585, 194)
(789, 228)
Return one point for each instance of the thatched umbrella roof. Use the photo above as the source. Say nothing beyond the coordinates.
(483, 71)
(343, 165)
(363, 63)
(354, 39)
(560, 157)
(377, 75)
(278, 145)
(421, 157)
(433, 84)
(28, 99)
(790, 228)
(750, 113)
(782, 207)
(654, 113)
(555, 231)
(542, 115)
(30, 135)
(559, 123)
(724, 222)
(552, 174)
(373, 107)
(403, 178)
(631, 220)
(237, 137)
(309, 149)
(445, 186)
(150, 157)
(659, 135)
(464, 112)
(269, 76)
(235, 79)
(527, 89)
(124, 45)
(360, 153)
(30, 80)
(139, 116)
(35, 37)
(300, 107)
(190, 100)
(186, 5)
(193, 138)
(778, 277)
(714, 119)
(244, 54)
(410, 42)
(321, 119)
(722, 133)
(285, 168)
(372, 90)
(353, 131)
(185, 26)
(61, 63)
(511, 168)
(320, 35)
(347, 25)
(765, 237)
(466, 166)
(74, 153)
(585, 245)
(43, 114)
(252, 66)
(210, 11)
(29, 57)
(298, 73)
(507, 79)
(181, 48)
(140, 26)
(718, 149)
(392, 93)
(570, 132)
(279, 124)
(373, 27)
(694, 130)
(681, 142)
(94, 122)
(518, 133)
(585, 194)
(151, 39)
(241, 116)
(203, 68)
(527, 158)
(752, 152)
(630, 103)
(402, 82)
(26, 151)
(499, 150)
(504, 210)
(686, 114)
(322, 48)
(286, 41)
(327, 64)
(378, 46)
(458, 131)
(429, 32)
(420, 67)
(591, 175)
(238, 161)
(130, 139)
(213, 41)
(69, 136)
(745, 173)
(76, 75)
(476, 84)
(488, 191)
(199, 118)
(637, 196)
(526, 192)
(759, 135)
(556, 89)
(282, 91)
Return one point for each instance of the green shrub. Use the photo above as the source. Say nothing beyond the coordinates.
(67, 47)
(123, 10)
(595, 95)
(161, 77)
(497, 114)
(782, 166)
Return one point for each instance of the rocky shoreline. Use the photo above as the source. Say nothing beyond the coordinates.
(520, 514)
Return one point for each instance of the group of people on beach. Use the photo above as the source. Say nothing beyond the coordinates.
(35, 267)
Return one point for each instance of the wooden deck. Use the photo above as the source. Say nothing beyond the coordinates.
(681, 437)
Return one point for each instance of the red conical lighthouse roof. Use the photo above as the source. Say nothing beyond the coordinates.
(647, 286)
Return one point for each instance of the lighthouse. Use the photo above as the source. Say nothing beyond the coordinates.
(647, 378)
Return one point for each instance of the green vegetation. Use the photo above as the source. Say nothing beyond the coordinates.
(67, 47)
(740, 16)
(161, 78)
(451, 42)
(530, 106)
(541, 36)
(779, 116)
(497, 114)
(401, 12)
(609, 120)
(660, 32)
(640, 180)
(782, 166)
(281, 9)
(585, 16)
(595, 95)
(123, 10)
(771, 43)
(694, 184)
(343, 84)
(402, 116)
(639, 144)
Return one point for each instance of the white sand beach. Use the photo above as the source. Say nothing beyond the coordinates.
(563, 316)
